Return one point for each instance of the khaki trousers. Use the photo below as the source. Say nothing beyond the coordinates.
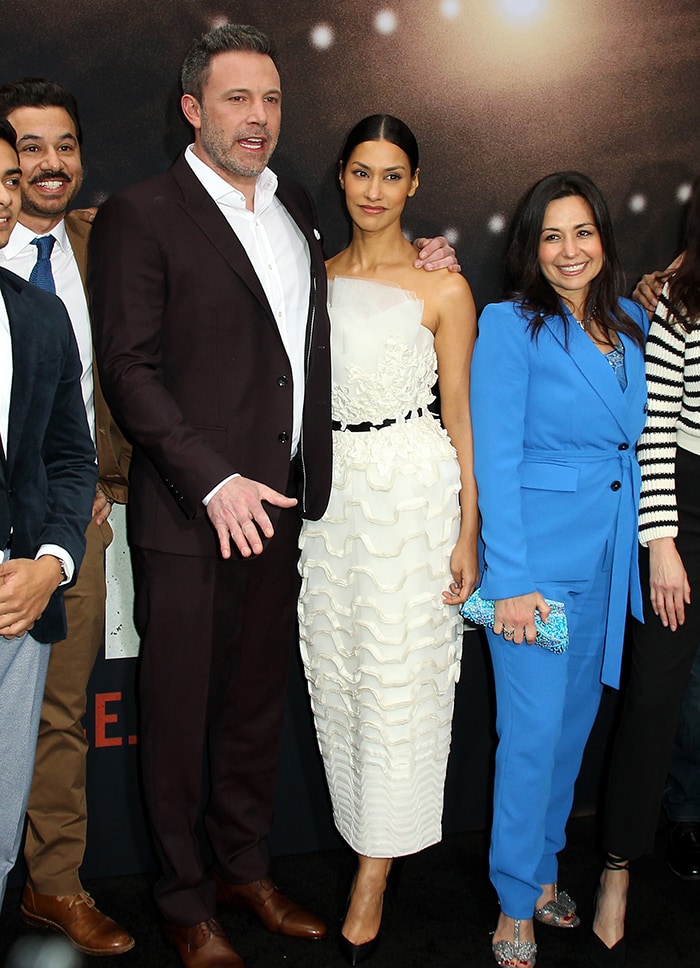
(57, 811)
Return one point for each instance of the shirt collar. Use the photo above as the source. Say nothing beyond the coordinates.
(22, 236)
(223, 193)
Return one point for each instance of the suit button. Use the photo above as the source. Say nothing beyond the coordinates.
(623, 446)
(283, 437)
(615, 486)
(282, 381)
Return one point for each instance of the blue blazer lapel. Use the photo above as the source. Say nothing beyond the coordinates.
(595, 368)
(24, 368)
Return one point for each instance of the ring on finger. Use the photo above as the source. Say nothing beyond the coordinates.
(508, 633)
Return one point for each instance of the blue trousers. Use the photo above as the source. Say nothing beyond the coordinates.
(546, 707)
(23, 665)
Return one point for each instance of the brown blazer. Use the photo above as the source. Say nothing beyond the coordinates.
(113, 450)
(191, 358)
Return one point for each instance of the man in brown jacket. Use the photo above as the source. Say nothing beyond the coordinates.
(49, 248)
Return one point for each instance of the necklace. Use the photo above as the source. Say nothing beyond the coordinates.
(587, 319)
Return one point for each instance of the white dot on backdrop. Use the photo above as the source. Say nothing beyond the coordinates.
(386, 21)
(520, 11)
(497, 223)
(452, 235)
(637, 203)
(218, 21)
(322, 36)
(450, 8)
(683, 192)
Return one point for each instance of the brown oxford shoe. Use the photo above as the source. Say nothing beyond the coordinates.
(275, 911)
(202, 945)
(75, 916)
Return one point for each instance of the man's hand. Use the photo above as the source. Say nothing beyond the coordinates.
(236, 512)
(436, 253)
(25, 589)
(649, 289)
(101, 506)
(649, 286)
(85, 214)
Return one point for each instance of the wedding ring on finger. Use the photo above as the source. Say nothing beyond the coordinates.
(508, 633)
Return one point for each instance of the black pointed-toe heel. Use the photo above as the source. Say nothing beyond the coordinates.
(597, 950)
(604, 957)
(355, 953)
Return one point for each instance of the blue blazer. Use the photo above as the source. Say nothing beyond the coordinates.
(47, 471)
(555, 463)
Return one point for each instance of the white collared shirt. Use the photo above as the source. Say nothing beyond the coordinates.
(19, 256)
(5, 373)
(280, 257)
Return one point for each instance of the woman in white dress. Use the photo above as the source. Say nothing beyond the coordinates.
(395, 553)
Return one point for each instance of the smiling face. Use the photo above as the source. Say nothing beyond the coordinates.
(238, 121)
(570, 252)
(10, 197)
(377, 180)
(52, 170)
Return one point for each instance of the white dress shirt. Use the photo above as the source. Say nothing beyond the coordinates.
(19, 256)
(279, 254)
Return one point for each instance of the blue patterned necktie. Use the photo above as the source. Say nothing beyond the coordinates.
(41, 274)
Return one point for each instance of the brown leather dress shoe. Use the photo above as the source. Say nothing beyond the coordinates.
(202, 945)
(75, 916)
(275, 911)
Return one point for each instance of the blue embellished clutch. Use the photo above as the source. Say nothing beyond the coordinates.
(552, 635)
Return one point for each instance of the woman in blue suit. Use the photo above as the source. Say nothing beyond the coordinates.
(558, 398)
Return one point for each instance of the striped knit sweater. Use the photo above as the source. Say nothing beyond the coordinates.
(673, 419)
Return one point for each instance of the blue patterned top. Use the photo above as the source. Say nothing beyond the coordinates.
(616, 359)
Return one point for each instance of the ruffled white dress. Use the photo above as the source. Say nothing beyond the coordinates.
(380, 650)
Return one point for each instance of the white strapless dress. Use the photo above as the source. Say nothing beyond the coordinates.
(380, 649)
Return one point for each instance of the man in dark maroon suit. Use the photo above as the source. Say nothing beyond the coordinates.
(214, 355)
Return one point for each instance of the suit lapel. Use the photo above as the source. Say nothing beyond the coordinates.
(203, 210)
(24, 350)
(595, 368)
(290, 202)
(78, 234)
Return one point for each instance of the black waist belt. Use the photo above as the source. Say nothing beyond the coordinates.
(364, 428)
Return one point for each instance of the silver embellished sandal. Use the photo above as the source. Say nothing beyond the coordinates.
(516, 951)
(554, 912)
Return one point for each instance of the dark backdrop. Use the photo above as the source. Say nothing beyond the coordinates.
(499, 93)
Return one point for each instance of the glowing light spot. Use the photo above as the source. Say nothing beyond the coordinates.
(451, 234)
(637, 203)
(386, 21)
(497, 223)
(521, 11)
(218, 21)
(450, 8)
(322, 36)
(683, 193)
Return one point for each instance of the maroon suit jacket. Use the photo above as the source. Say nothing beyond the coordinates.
(191, 360)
